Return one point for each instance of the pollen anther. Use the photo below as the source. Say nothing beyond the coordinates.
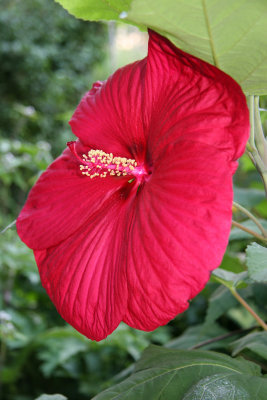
(97, 163)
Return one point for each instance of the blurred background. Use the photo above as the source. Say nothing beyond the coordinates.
(48, 60)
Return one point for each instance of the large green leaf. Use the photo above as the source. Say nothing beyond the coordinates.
(257, 262)
(182, 375)
(95, 10)
(229, 34)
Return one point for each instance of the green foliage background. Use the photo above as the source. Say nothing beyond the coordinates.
(48, 60)
(47, 63)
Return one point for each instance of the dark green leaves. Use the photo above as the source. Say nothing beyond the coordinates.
(183, 375)
(252, 347)
(219, 303)
(255, 342)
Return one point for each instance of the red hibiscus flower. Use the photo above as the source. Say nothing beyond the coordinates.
(127, 224)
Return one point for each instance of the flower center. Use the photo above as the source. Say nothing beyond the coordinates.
(97, 163)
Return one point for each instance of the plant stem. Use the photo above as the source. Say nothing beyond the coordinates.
(250, 231)
(251, 117)
(8, 226)
(251, 216)
(248, 308)
(257, 145)
(260, 139)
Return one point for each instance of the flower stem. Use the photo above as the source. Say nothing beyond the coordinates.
(250, 231)
(251, 216)
(248, 308)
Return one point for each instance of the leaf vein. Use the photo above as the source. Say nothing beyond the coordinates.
(212, 45)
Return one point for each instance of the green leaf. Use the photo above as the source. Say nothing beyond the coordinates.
(257, 262)
(219, 387)
(219, 303)
(226, 33)
(230, 279)
(51, 397)
(182, 375)
(197, 334)
(95, 10)
(262, 208)
(259, 294)
(58, 351)
(231, 263)
(255, 342)
(248, 197)
(155, 356)
(253, 347)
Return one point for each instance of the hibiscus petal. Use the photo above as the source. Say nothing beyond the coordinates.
(61, 201)
(85, 275)
(108, 250)
(179, 233)
(109, 117)
(190, 98)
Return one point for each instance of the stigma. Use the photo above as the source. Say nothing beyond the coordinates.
(97, 163)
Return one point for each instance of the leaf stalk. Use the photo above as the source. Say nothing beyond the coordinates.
(252, 217)
(250, 231)
(248, 308)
